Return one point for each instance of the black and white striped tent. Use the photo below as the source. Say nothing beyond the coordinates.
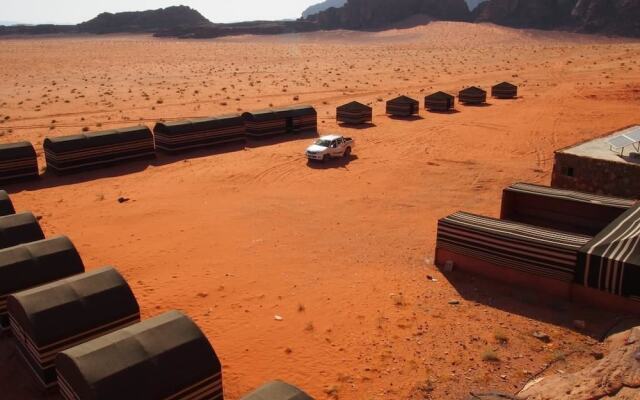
(561, 209)
(36, 263)
(611, 261)
(79, 152)
(48, 319)
(354, 113)
(277, 390)
(166, 357)
(6, 205)
(439, 101)
(18, 161)
(524, 248)
(279, 121)
(472, 95)
(19, 228)
(203, 132)
(504, 90)
(403, 106)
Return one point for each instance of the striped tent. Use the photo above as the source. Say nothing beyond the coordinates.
(183, 135)
(32, 264)
(403, 106)
(19, 228)
(504, 90)
(277, 390)
(278, 121)
(354, 113)
(472, 95)
(439, 101)
(18, 161)
(6, 205)
(166, 357)
(565, 210)
(611, 261)
(79, 152)
(48, 319)
(509, 251)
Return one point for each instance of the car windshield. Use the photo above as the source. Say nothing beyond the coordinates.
(323, 142)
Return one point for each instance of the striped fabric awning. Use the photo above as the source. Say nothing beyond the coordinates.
(540, 251)
(571, 195)
(611, 261)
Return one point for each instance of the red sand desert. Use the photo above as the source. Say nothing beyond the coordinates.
(340, 251)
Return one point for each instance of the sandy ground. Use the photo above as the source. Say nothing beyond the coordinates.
(341, 251)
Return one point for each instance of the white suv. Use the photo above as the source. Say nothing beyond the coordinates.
(330, 146)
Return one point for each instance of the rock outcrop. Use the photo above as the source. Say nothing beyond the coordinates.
(325, 5)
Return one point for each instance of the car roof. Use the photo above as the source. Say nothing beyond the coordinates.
(330, 137)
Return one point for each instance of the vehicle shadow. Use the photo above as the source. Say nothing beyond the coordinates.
(341, 162)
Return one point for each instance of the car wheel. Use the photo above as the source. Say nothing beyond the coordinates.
(347, 152)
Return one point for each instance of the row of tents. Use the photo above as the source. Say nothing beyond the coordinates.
(80, 331)
(572, 245)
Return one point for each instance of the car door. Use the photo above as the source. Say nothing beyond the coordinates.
(337, 149)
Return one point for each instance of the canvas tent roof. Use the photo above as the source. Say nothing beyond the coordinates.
(96, 139)
(440, 95)
(354, 106)
(473, 90)
(149, 360)
(49, 313)
(403, 100)
(280, 112)
(199, 124)
(19, 228)
(6, 205)
(11, 151)
(34, 263)
(611, 261)
(277, 390)
(505, 85)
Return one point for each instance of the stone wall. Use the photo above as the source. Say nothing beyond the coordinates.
(596, 176)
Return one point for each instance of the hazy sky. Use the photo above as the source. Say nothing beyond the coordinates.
(75, 11)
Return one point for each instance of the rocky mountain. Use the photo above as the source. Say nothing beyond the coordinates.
(144, 21)
(376, 14)
(316, 8)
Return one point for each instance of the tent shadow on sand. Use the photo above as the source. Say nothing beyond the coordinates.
(410, 118)
(529, 304)
(255, 143)
(358, 126)
(341, 162)
(451, 111)
(481, 105)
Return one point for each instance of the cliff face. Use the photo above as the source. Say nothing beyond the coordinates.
(325, 5)
(375, 14)
(621, 17)
(144, 21)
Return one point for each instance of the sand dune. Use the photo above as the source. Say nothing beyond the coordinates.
(341, 252)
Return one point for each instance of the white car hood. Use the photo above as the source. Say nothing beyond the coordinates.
(314, 148)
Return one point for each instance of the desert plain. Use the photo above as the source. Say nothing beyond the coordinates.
(341, 252)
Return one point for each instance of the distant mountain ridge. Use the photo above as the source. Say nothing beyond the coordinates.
(325, 5)
(144, 21)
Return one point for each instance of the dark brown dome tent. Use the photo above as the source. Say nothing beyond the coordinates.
(403, 106)
(36, 263)
(48, 319)
(472, 95)
(18, 161)
(83, 151)
(277, 390)
(561, 209)
(6, 205)
(19, 228)
(184, 135)
(439, 101)
(504, 90)
(278, 121)
(166, 357)
(354, 113)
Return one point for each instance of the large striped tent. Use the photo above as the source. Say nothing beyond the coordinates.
(565, 210)
(166, 357)
(6, 205)
(48, 319)
(354, 113)
(509, 251)
(277, 390)
(403, 106)
(611, 261)
(19, 228)
(32, 264)
(439, 101)
(472, 95)
(278, 121)
(203, 132)
(504, 90)
(18, 161)
(78, 152)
